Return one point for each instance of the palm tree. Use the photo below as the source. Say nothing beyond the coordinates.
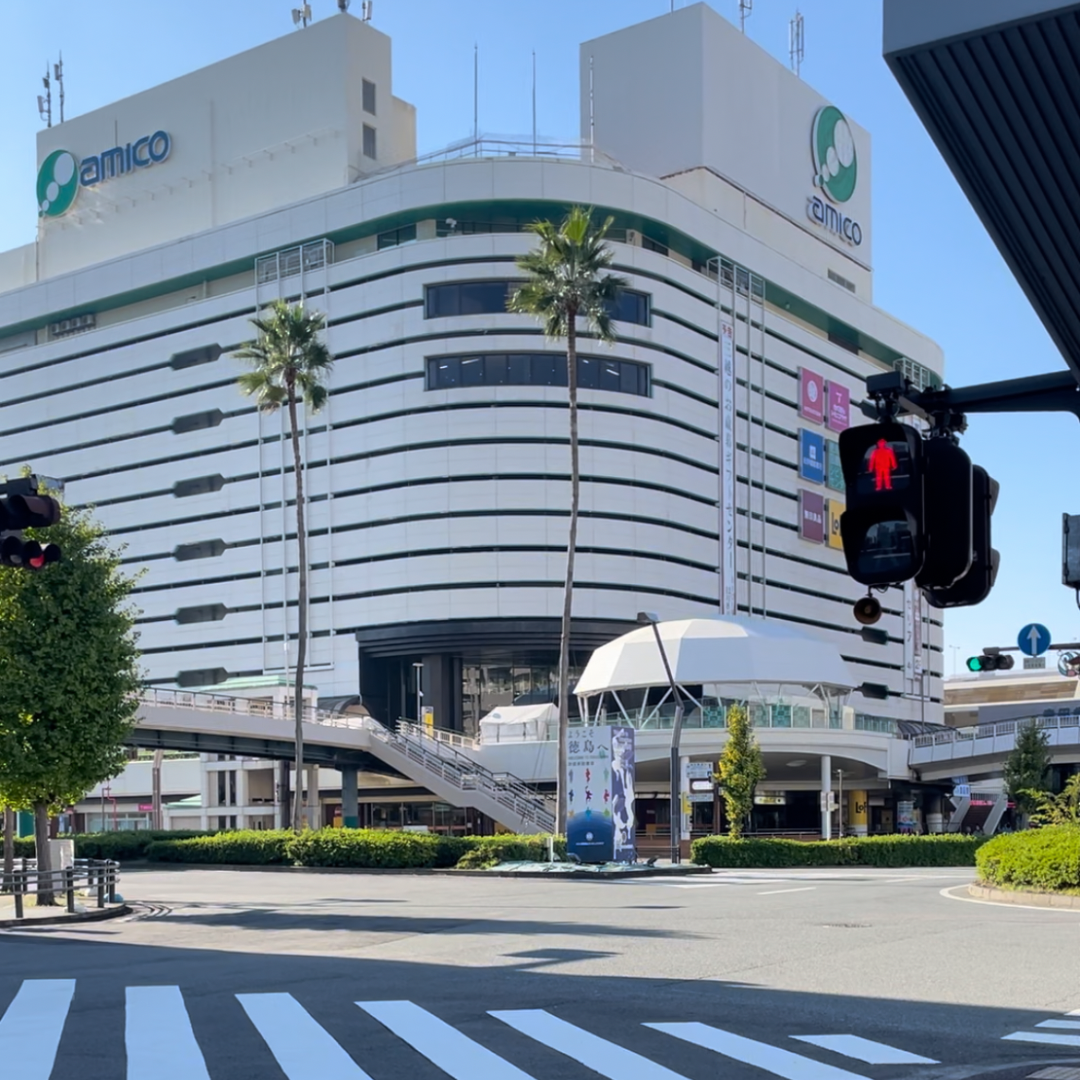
(289, 363)
(565, 282)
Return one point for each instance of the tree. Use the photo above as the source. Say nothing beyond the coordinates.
(290, 363)
(1060, 809)
(1027, 768)
(566, 282)
(740, 771)
(69, 675)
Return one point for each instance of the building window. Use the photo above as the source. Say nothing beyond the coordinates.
(395, 237)
(193, 357)
(536, 369)
(199, 485)
(490, 298)
(368, 96)
(369, 141)
(206, 549)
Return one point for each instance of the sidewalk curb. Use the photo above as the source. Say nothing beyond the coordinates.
(685, 870)
(1030, 899)
(66, 919)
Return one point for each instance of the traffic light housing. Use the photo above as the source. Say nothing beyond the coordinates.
(990, 661)
(21, 507)
(882, 527)
(948, 493)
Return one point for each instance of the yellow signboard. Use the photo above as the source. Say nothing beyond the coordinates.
(834, 508)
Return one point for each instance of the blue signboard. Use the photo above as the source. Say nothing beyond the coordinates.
(1034, 639)
(811, 456)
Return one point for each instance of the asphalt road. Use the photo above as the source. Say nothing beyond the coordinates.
(816, 975)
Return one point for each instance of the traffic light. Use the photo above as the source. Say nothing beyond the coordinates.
(22, 508)
(947, 513)
(882, 527)
(991, 660)
(974, 587)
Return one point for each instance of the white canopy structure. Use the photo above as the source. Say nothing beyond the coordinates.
(730, 651)
(520, 723)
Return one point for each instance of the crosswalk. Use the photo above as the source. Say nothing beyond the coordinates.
(160, 1042)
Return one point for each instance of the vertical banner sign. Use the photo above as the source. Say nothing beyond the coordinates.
(839, 416)
(727, 470)
(811, 456)
(811, 516)
(910, 614)
(811, 395)
(834, 508)
(600, 794)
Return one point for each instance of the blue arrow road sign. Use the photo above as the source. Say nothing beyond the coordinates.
(1034, 639)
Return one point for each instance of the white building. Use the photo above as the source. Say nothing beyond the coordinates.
(438, 473)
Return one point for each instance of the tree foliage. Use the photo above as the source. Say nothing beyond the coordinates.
(740, 771)
(289, 364)
(1060, 809)
(566, 280)
(69, 672)
(1027, 768)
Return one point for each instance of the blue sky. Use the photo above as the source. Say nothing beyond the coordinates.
(935, 268)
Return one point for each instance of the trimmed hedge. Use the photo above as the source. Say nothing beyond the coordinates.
(249, 847)
(755, 853)
(120, 846)
(486, 851)
(1046, 859)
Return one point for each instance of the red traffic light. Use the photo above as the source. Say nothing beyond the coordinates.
(881, 461)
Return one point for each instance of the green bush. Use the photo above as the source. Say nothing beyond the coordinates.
(122, 846)
(1046, 859)
(756, 853)
(249, 847)
(487, 851)
(368, 849)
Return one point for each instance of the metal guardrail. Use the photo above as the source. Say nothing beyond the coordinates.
(996, 730)
(98, 876)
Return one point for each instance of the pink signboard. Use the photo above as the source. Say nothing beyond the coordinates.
(839, 416)
(811, 395)
(811, 516)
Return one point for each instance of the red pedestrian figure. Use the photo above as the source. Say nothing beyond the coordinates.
(882, 465)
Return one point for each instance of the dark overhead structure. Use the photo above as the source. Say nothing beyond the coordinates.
(997, 84)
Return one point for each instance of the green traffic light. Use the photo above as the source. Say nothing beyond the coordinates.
(975, 663)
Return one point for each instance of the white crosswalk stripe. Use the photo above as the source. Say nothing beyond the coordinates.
(303, 1049)
(31, 1028)
(1068, 1025)
(444, 1046)
(158, 1036)
(772, 1059)
(606, 1058)
(873, 1053)
(1044, 1037)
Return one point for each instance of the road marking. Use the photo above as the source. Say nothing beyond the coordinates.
(948, 894)
(157, 1033)
(1042, 1037)
(1075, 1012)
(303, 1049)
(780, 892)
(1068, 1025)
(444, 1046)
(873, 1053)
(770, 1058)
(31, 1028)
(603, 1057)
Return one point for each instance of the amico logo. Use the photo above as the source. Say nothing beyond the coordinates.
(57, 183)
(836, 173)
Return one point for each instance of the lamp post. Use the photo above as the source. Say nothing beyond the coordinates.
(650, 618)
(418, 667)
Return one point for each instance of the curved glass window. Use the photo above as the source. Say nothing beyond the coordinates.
(536, 369)
(490, 297)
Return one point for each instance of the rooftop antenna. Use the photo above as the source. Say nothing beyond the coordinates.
(58, 75)
(302, 14)
(343, 5)
(797, 41)
(366, 10)
(44, 101)
(746, 9)
(476, 94)
(534, 102)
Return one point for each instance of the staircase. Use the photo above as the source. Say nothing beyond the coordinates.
(459, 780)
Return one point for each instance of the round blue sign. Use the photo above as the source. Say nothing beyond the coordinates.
(1034, 639)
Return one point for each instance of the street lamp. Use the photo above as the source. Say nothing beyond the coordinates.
(652, 619)
(418, 666)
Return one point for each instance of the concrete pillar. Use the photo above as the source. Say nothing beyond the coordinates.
(858, 813)
(204, 792)
(242, 799)
(314, 809)
(350, 810)
(284, 807)
(826, 790)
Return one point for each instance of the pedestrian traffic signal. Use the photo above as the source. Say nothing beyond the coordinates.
(23, 509)
(990, 661)
(947, 513)
(882, 526)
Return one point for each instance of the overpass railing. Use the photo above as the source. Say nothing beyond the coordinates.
(223, 703)
(1000, 729)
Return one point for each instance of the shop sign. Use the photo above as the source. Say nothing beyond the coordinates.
(600, 794)
(811, 516)
(811, 456)
(839, 415)
(834, 509)
(811, 395)
(770, 800)
(836, 174)
(834, 473)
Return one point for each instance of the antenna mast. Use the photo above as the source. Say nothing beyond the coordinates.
(58, 75)
(44, 101)
(797, 42)
(746, 9)
(302, 14)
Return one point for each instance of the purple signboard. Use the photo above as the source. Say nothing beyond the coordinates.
(811, 395)
(811, 516)
(839, 416)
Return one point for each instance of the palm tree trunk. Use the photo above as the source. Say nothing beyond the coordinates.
(9, 847)
(45, 895)
(301, 646)
(568, 592)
